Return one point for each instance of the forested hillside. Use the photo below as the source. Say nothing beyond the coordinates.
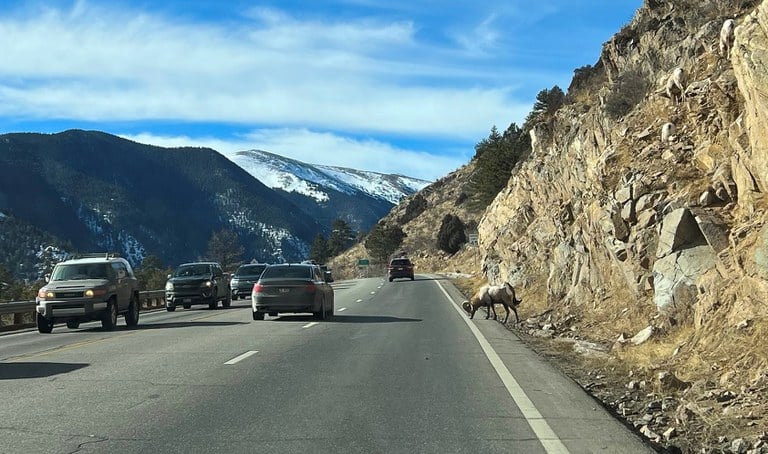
(87, 190)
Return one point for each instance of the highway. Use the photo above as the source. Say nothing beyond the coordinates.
(398, 369)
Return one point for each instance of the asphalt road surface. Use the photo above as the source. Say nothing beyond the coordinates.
(399, 368)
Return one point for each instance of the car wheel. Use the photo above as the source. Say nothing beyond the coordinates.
(186, 306)
(258, 315)
(169, 306)
(228, 301)
(73, 324)
(213, 303)
(321, 315)
(390, 279)
(44, 325)
(132, 316)
(330, 311)
(109, 319)
(411, 277)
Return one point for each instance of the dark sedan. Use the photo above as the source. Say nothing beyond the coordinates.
(292, 288)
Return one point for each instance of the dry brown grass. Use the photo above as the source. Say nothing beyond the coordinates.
(468, 286)
(657, 353)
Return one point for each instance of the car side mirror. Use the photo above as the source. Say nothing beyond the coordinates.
(47, 278)
(328, 277)
(170, 276)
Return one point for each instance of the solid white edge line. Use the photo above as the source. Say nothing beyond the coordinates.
(309, 325)
(237, 359)
(551, 442)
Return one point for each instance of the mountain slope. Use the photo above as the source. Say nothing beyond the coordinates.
(99, 191)
(360, 198)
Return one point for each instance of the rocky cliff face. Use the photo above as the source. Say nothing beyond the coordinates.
(609, 224)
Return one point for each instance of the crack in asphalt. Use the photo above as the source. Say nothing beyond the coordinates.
(92, 439)
(96, 440)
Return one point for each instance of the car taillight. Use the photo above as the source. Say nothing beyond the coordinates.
(257, 288)
(310, 288)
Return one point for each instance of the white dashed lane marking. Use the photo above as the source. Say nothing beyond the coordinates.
(309, 325)
(551, 442)
(237, 359)
(342, 309)
(359, 301)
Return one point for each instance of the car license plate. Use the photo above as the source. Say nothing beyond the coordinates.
(187, 300)
(284, 290)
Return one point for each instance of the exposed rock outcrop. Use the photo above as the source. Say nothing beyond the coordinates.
(674, 224)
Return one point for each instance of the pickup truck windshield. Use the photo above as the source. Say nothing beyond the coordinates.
(192, 270)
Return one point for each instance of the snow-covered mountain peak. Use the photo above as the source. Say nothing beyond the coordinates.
(315, 181)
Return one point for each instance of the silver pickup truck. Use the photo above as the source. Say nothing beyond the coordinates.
(89, 287)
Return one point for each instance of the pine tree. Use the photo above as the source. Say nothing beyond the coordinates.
(548, 101)
(341, 237)
(224, 247)
(383, 240)
(494, 159)
(319, 249)
(451, 235)
(151, 273)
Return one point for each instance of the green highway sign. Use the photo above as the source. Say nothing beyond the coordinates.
(363, 262)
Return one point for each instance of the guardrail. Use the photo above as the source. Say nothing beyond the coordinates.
(21, 314)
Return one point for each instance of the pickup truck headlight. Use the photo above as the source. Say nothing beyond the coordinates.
(207, 284)
(169, 286)
(44, 293)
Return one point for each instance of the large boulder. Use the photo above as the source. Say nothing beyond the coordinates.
(678, 231)
(675, 277)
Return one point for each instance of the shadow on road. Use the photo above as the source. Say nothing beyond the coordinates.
(419, 277)
(164, 325)
(346, 319)
(15, 371)
(371, 319)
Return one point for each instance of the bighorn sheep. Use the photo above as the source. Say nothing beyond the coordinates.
(667, 132)
(727, 34)
(490, 295)
(676, 85)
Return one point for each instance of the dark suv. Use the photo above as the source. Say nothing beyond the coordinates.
(244, 278)
(90, 287)
(197, 283)
(400, 267)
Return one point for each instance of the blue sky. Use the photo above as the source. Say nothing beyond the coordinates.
(390, 86)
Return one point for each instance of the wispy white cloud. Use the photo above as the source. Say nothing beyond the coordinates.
(327, 149)
(400, 71)
(483, 38)
(99, 64)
